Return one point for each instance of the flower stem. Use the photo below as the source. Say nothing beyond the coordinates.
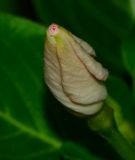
(103, 123)
(119, 143)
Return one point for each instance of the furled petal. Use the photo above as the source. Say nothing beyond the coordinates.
(85, 46)
(71, 72)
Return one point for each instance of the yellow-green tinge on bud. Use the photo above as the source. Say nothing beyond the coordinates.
(71, 72)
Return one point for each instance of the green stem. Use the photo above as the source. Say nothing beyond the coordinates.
(122, 147)
(125, 126)
(103, 123)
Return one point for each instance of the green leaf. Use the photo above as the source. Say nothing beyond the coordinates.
(26, 130)
(102, 23)
(132, 3)
(71, 151)
(128, 50)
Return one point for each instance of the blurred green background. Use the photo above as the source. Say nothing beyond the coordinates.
(33, 124)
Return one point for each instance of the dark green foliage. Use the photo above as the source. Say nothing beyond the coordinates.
(33, 125)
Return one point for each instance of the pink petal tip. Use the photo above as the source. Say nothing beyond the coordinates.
(53, 29)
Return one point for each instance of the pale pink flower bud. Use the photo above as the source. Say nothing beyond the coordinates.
(71, 72)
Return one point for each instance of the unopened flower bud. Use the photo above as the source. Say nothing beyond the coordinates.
(71, 72)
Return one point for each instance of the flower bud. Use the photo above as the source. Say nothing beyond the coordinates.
(71, 72)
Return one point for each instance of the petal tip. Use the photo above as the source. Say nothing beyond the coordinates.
(53, 29)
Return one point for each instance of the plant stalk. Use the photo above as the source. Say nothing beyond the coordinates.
(120, 144)
(103, 123)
